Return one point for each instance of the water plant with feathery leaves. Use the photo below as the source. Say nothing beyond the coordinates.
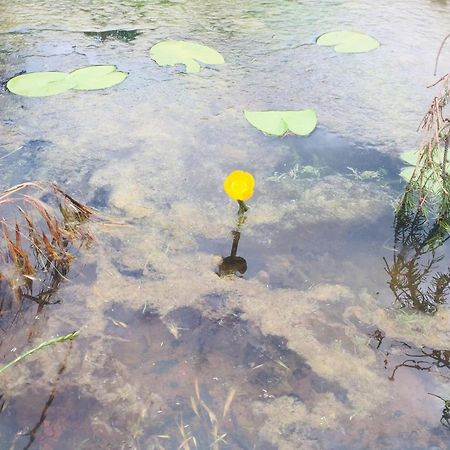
(413, 276)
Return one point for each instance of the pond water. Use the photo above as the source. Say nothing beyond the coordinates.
(306, 348)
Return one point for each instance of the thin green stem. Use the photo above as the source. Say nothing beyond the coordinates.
(60, 339)
(243, 208)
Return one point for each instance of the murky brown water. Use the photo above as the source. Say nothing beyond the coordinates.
(305, 345)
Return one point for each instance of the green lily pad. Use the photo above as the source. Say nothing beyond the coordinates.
(410, 157)
(44, 84)
(39, 84)
(170, 53)
(431, 184)
(96, 77)
(278, 123)
(348, 41)
(407, 172)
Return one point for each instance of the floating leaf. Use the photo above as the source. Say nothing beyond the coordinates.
(348, 41)
(43, 84)
(269, 122)
(431, 184)
(96, 77)
(411, 157)
(39, 84)
(170, 53)
(300, 122)
(407, 172)
(278, 123)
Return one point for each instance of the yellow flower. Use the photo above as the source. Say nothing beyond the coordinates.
(239, 185)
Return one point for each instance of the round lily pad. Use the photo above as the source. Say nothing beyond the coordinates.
(39, 84)
(348, 41)
(43, 84)
(278, 123)
(170, 53)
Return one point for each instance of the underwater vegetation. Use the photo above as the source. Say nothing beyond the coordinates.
(120, 35)
(57, 340)
(413, 275)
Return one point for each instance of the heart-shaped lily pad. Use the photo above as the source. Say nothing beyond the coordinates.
(96, 77)
(170, 53)
(43, 84)
(348, 41)
(278, 123)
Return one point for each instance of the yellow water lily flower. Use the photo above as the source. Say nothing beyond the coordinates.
(239, 185)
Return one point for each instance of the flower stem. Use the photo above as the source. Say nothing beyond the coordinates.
(243, 208)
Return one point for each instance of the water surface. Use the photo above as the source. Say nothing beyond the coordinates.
(306, 342)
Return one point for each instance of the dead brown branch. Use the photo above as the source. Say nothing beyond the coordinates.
(40, 226)
(431, 177)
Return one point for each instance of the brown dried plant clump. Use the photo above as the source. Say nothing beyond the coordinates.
(430, 181)
(40, 224)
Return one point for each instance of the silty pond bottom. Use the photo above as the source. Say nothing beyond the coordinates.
(302, 350)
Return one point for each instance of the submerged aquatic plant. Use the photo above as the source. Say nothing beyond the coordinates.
(35, 252)
(58, 340)
(120, 35)
(445, 418)
(413, 275)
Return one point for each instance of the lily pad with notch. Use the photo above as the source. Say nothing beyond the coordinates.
(44, 84)
(39, 84)
(348, 41)
(278, 123)
(191, 54)
(96, 77)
